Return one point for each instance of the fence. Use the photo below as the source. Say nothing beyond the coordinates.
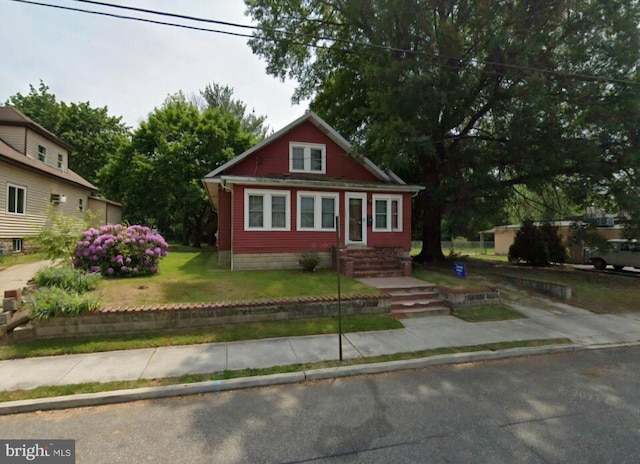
(462, 246)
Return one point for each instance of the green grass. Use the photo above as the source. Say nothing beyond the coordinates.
(190, 275)
(226, 333)
(20, 258)
(599, 293)
(65, 390)
(494, 312)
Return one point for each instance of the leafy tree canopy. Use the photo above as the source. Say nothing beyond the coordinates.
(468, 98)
(92, 132)
(158, 175)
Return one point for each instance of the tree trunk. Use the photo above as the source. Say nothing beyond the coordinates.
(197, 231)
(186, 230)
(431, 230)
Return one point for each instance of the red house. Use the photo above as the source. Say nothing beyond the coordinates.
(280, 198)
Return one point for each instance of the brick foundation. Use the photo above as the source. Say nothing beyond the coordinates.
(274, 261)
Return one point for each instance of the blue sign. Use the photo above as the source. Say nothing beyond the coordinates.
(460, 269)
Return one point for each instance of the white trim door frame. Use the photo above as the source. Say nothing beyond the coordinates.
(355, 223)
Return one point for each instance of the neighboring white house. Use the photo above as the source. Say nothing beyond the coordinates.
(34, 175)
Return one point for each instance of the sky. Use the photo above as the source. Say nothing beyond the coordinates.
(130, 66)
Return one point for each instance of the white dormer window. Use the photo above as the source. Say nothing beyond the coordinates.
(60, 161)
(42, 153)
(307, 157)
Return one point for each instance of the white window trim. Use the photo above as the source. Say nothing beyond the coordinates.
(17, 245)
(267, 194)
(388, 199)
(60, 161)
(307, 157)
(363, 219)
(24, 206)
(42, 154)
(317, 209)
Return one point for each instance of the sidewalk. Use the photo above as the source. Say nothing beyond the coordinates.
(561, 321)
(16, 277)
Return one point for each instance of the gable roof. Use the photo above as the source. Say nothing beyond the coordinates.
(10, 116)
(9, 154)
(387, 177)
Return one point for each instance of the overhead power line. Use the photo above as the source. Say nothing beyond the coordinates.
(287, 37)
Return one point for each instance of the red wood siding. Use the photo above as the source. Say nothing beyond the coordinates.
(224, 220)
(273, 159)
(395, 239)
(294, 241)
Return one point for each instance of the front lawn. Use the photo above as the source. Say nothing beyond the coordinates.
(189, 275)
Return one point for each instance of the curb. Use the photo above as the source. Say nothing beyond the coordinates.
(215, 386)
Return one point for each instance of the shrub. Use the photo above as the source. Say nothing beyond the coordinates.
(57, 238)
(67, 278)
(47, 302)
(119, 251)
(309, 261)
(529, 245)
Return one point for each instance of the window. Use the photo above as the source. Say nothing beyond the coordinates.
(17, 245)
(307, 158)
(60, 160)
(42, 153)
(387, 212)
(16, 199)
(267, 210)
(80, 205)
(316, 210)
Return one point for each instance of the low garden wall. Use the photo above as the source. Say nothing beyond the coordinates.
(460, 298)
(559, 291)
(201, 315)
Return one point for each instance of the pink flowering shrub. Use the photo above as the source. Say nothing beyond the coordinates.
(119, 251)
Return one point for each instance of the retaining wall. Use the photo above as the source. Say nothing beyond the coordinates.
(201, 315)
(559, 291)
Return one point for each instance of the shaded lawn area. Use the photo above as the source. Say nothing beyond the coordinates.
(189, 275)
(598, 293)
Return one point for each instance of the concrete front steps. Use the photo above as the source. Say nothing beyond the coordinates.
(416, 302)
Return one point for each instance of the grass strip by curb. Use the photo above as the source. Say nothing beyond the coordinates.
(488, 313)
(96, 387)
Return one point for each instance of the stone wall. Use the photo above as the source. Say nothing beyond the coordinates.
(202, 315)
(274, 260)
(559, 291)
(455, 298)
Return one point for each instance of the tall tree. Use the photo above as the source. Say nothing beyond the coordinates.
(468, 98)
(221, 96)
(158, 176)
(92, 132)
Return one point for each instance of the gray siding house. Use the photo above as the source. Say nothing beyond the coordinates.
(34, 176)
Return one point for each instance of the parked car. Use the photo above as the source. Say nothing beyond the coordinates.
(617, 253)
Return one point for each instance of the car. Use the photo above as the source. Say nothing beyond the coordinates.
(618, 253)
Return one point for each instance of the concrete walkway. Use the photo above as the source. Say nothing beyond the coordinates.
(16, 277)
(559, 321)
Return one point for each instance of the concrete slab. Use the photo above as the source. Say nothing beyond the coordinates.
(25, 374)
(109, 366)
(386, 342)
(174, 361)
(260, 353)
(318, 348)
(393, 282)
(16, 277)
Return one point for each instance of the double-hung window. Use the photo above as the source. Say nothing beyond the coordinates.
(42, 153)
(387, 213)
(267, 209)
(317, 210)
(60, 161)
(307, 157)
(16, 199)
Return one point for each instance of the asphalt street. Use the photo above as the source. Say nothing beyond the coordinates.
(581, 407)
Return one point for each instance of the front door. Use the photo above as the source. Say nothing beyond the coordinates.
(356, 220)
